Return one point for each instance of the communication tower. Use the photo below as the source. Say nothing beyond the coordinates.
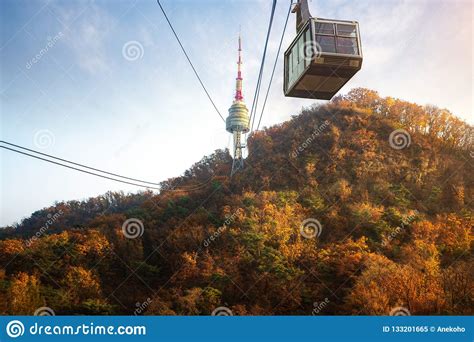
(238, 120)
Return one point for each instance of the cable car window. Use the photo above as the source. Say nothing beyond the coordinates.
(294, 64)
(325, 28)
(347, 46)
(327, 43)
(346, 30)
(307, 41)
(290, 69)
(293, 61)
(299, 47)
(301, 56)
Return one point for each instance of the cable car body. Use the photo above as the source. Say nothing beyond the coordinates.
(323, 57)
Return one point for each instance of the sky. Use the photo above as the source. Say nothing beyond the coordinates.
(104, 83)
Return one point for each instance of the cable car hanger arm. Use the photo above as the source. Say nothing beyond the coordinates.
(302, 14)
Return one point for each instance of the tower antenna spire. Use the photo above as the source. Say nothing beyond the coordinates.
(238, 84)
(238, 120)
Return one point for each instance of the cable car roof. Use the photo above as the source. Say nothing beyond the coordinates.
(336, 20)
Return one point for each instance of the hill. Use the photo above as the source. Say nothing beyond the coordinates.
(360, 206)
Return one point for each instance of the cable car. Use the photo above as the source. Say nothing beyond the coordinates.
(324, 56)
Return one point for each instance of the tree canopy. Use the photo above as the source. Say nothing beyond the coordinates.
(330, 208)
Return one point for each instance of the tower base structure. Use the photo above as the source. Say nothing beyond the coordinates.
(237, 165)
(238, 162)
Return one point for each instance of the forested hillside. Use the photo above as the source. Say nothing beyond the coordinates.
(360, 206)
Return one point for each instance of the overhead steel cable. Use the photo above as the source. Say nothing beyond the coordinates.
(77, 164)
(189, 60)
(80, 170)
(274, 66)
(259, 81)
(182, 189)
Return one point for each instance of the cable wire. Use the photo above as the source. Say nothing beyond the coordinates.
(257, 88)
(182, 189)
(274, 66)
(189, 60)
(80, 170)
(81, 165)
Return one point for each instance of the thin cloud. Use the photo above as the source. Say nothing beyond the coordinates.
(87, 27)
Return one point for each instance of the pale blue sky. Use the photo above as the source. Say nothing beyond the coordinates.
(149, 118)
